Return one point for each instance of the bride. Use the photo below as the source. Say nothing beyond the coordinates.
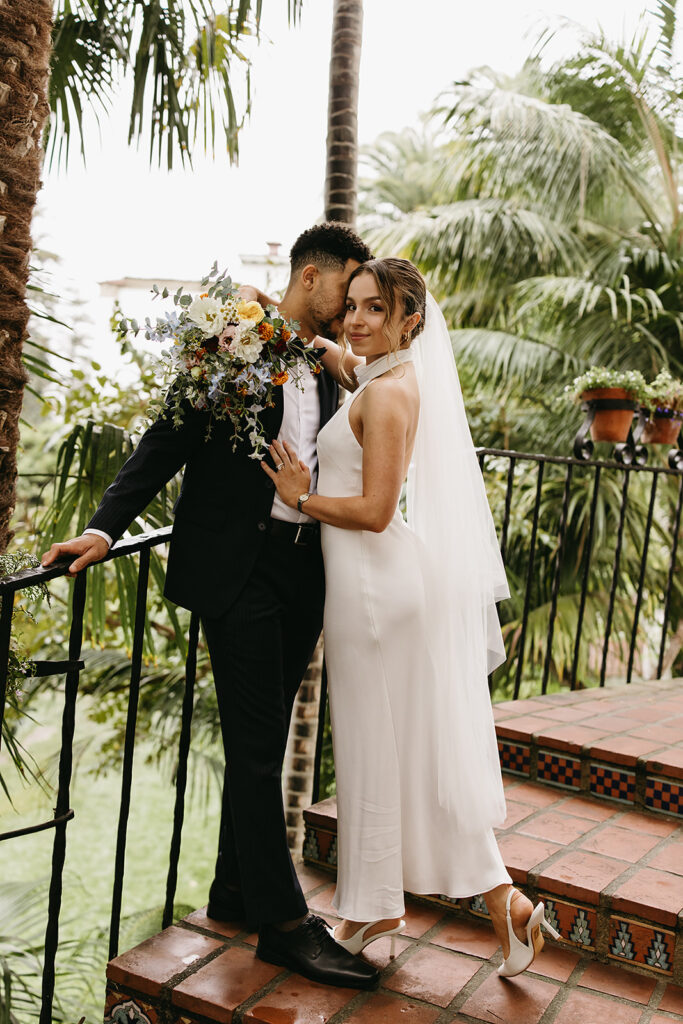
(410, 626)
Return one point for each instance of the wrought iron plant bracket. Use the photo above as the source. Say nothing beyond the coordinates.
(675, 457)
(628, 452)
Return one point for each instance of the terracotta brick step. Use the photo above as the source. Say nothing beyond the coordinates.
(621, 743)
(198, 972)
(611, 877)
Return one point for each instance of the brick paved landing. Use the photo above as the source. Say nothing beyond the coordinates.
(622, 742)
(611, 877)
(444, 972)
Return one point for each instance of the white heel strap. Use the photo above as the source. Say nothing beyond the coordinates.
(508, 902)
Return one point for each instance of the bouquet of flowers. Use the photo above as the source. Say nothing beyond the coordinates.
(226, 356)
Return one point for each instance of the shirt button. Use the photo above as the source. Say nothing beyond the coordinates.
(261, 526)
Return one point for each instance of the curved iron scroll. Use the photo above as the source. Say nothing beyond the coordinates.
(627, 453)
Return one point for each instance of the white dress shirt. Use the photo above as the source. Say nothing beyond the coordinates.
(300, 426)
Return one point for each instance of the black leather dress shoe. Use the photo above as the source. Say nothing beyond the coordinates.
(311, 951)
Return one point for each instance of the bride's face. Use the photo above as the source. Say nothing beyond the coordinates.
(365, 322)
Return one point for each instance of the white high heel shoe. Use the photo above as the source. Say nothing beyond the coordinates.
(523, 954)
(356, 942)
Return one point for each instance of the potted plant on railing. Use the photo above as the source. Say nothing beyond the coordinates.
(611, 397)
(663, 400)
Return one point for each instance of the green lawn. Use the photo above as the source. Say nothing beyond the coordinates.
(91, 836)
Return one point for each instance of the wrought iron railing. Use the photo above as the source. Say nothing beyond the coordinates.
(572, 478)
(546, 530)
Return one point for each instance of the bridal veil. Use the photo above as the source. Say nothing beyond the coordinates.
(448, 510)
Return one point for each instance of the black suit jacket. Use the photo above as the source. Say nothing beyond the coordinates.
(224, 505)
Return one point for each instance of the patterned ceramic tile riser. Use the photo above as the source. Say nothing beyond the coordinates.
(646, 945)
(664, 795)
(563, 771)
(320, 847)
(577, 925)
(122, 1008)
(514, 757)
(622, 743)
(612, 782)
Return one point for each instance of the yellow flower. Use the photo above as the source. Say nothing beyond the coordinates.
(280, 378)
(251, 311)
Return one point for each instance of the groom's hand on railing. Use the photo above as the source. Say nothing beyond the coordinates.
(89, 547)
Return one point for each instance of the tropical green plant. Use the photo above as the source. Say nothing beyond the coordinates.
(20, 665)
(22, 931)
(553, 235)
(544, 210)
(182, 56)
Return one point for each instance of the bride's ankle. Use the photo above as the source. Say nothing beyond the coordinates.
(496, 899)
(348, 928)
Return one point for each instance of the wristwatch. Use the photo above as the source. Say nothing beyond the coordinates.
(301, 499)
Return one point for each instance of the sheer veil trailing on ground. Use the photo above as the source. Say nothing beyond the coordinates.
(448, 510)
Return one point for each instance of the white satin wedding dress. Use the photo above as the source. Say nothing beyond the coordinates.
(394, 833)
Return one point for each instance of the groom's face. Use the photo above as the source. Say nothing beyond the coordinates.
(327, 299)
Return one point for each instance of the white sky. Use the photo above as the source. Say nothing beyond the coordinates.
(118, 217)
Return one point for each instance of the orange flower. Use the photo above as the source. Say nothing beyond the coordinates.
(265, 331)
(285, 334)
(317, 368)
(280, 378)
(204, 295)
(243, 390)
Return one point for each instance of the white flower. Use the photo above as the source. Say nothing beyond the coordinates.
(229, 311)
(247, 348)
(207, 314)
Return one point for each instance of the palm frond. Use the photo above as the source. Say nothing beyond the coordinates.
(185, 59)
(666, 14)
(524, 146)
(477, 241)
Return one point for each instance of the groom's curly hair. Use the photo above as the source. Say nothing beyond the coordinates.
(328, 246)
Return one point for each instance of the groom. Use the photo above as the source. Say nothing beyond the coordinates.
(251, 567)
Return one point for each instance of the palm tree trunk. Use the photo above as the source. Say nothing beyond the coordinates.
(342, 115)
(25, 36)
(340, 204)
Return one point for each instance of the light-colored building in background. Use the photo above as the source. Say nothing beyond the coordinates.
(268, 271)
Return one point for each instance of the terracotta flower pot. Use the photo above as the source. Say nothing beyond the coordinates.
(610, 424)
(662, 430)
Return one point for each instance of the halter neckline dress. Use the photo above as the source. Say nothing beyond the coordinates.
(393, 835)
